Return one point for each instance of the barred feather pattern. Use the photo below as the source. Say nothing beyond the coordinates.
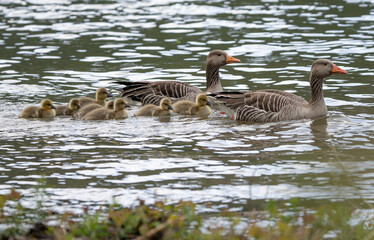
(153, 92)
(214, 83)
(262, 106)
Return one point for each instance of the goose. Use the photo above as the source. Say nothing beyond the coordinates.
(200, 108)
(153, 92)
(93, 106)
(153, 110)
(110, 105)
(101, 95)
(276, 105)
(118, 112)
(68, 110)
(45, 111)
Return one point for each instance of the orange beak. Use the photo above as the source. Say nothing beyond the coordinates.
(337, 70)
(231, 60)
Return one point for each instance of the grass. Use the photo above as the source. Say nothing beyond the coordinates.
(287, 220)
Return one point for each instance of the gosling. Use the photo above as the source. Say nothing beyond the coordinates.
(151, 110)
(45, 111)
(93, 106)
(119, 112)
(200, 108)
(69, 110)
(101, 95)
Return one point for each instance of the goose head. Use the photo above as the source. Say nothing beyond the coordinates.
(120, 104)
(110, 105)
(202, 100)
(324, 68)
(165, 104)
(219, 58)
(102, 94)
(47, 104)
(74, 104)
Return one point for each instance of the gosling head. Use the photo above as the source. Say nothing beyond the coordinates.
(47, 104)
(219, 58)
(110, 105)
(202, 100)
(102, 93)
(74, 104)
(165, 104)
(120, 104)
(324, 68)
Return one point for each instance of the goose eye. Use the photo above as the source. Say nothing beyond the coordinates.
(219, 54)
(325, 64)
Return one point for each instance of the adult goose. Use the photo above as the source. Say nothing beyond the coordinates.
(46, 110)
(153, 92)
(275, 105)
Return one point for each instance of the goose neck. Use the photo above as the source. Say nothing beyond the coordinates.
(213, 83)
(316, 84)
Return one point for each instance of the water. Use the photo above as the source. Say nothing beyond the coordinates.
(62, 49)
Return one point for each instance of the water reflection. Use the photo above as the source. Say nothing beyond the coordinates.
(63, 49)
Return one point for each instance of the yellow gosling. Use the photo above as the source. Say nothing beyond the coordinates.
(45, 111)
(101, 95)
(118, 112)
(110, 105)
(200, 108)
(151, 110)
(93, 106)
(69, 110)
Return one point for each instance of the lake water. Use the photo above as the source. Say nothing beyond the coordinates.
(62, 49)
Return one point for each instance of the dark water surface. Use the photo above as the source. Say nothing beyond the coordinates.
(64, 48)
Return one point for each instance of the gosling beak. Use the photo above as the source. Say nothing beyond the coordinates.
(337, 70)
(208, 103)
(127, 105)
(171, 108)
(79, 106)
(109, 95)
(53, 107)
(230, 59)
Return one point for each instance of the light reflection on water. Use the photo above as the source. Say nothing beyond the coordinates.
(63, 49)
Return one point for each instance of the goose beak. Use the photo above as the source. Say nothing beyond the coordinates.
(109, 95)
(230, 59)
(53, 107)
(337, 70)
(171, 108)
(79, 106)
(208, 103)
(127, 105)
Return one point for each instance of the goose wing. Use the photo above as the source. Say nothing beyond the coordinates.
(153, 92)
(258, 106)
